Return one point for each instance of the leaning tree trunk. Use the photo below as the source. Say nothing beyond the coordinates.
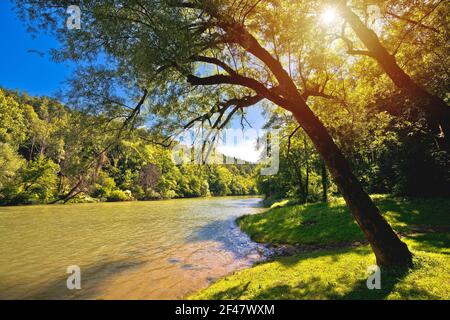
(389, 250)
(386, 245)
(324, 181)
(435, 109)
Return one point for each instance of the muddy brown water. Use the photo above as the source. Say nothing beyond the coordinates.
(134, 250)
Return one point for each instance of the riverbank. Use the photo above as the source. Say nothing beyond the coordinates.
(327, 257)
(90, 200)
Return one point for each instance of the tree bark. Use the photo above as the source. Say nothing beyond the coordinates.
(389, 250)
(305, 147)
(435, 109)
(299, 176)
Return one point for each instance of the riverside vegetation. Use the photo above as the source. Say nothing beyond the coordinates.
(329, 258)
(50, 153)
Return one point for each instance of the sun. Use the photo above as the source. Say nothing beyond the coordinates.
(329, 15)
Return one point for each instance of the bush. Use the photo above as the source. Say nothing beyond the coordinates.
(169, 194)
(10, 163)
(37, 182)
(104, 186)
(120, 195)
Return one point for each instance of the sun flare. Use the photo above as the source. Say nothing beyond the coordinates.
(329, 15)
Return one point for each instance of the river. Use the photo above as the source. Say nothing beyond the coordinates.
(132, 250)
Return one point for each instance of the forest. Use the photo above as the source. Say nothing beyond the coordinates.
(50, 153)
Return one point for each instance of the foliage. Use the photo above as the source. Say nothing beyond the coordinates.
(12, 130)
(119, 195)
(388, 155)
(34, 182)
(207, 61)
(10, 163)
(49, 153)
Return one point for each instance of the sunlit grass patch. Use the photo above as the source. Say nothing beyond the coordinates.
(307, 224)
(338, 274)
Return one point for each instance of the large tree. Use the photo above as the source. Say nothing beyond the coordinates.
(209, 60)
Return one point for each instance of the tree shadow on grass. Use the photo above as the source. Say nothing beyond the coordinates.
(310, 289)
(320, 285)
(333, 254)
(431, 242)
(235, 292)
(389, 279)
(416, 211)
(317, 287)
(319, 223)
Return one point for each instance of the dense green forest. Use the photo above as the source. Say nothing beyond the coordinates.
(49, 153)
(389, 155)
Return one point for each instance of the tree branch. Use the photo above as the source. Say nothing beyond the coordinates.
(237, 33)
(360, 53)
(217, 62)
(418, 23)
(350, 46)
(257, 86)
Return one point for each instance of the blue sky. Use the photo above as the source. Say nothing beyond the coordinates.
(26, 64)
(22, 69)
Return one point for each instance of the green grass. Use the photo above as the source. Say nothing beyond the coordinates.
(342, 273)
(339, 274)
(323, 223)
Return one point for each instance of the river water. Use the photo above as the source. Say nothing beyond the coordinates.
(133, 250)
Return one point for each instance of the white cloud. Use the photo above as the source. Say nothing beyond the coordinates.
(245, 150)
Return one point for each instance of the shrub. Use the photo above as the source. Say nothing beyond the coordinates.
(119, 195)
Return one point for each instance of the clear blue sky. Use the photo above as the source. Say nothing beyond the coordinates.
(24, 70)
(35, 72)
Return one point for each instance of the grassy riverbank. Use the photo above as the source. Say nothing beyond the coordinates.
(341, 272)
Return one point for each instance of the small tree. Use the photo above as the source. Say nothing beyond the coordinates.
(150, 176)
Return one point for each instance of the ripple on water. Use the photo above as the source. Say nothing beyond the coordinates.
(138, 250)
